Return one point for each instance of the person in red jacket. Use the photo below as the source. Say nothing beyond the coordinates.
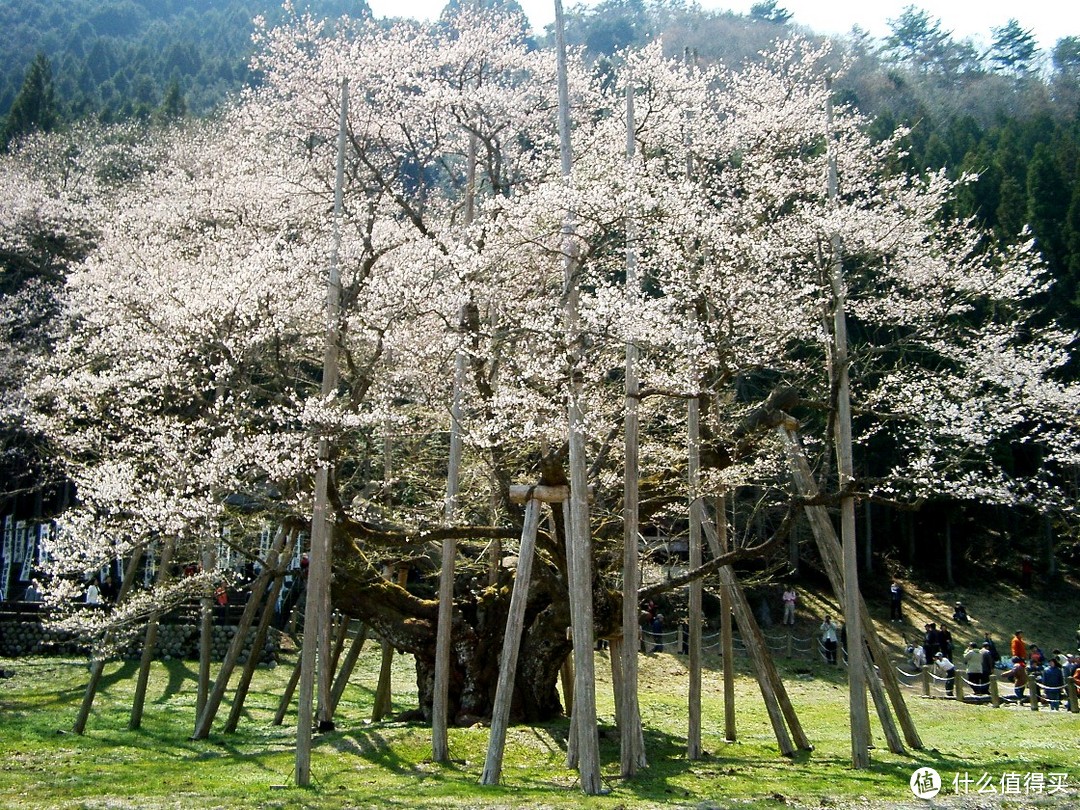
(1018, 647)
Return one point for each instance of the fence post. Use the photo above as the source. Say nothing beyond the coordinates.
(926, 682)
(995, 699)
(1034, 693)
(1070, 690)
(958, 678)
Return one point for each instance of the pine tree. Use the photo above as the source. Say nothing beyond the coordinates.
(173, 106)
(34, 108)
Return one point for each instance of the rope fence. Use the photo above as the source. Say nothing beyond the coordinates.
(972, 688)
(678, 641)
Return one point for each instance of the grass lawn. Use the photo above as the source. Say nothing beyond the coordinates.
(386, 764)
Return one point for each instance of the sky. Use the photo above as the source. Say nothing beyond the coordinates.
(1049, 20)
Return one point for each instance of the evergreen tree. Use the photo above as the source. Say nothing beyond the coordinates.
(173, 107)
(769, 11)
(1014, 49)
(916, 40)
(1048, 204)
(34, 108)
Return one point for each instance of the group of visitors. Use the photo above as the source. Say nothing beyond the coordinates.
(1050, 671)
(981, 658)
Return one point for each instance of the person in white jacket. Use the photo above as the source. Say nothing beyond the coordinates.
(944, 668)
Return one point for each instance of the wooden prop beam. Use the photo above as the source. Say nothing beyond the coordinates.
(259, 641)
(236, 646)
(829, 548)
(777, 703)
(97, 665)
(149, 642)
(515, 620)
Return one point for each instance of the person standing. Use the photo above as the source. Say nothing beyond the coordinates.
(995, 656)
(932, 641)
(1053, 682)
(988, 662)
(1018, 676)
(789, 598)
(973, 665)
(945, 641)
(828, 640)
(1017, 646)
(944, 668)
(896, 596)
(93, 594)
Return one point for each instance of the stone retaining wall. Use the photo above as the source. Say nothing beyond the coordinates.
(23, 634)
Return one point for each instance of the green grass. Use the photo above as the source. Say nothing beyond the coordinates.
(387, 764)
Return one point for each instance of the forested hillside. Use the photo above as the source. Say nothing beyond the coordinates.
(115, 59)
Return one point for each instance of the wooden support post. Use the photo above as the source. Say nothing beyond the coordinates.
(617, 681)
(831, 553)
(149, 642)
(566, 678)
(259, 641)
(926, 681)
(693, 734)
(315, 674)
(578, 535)
(236, 646)
(440, 701)
(958, 679)
(347, 667)
(206, 631)
(777, 703)
(500, 714)
(287, 694)
(995, 698)
(97, 665)
(381, 704)
(631, 734)
(1070, 692)
(1033, 693)
(727, 644)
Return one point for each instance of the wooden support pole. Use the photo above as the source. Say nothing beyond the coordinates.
(1070, 693)
(631, 735)
(693, 734)
(97, 665)
(839, 378)
(727, 644)
(347, 666)
(259, 641)
(149, 642)
(236, 646)
(566, 678)
(287, 694)
(315, 674)
(206, 630)
(617, 679)
(829, 548)
(515, 620)
(382, 701)
(995, 698)
(440, 701)
(578, 535)
(1033, 693)
(926, 681)
(777, 703)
